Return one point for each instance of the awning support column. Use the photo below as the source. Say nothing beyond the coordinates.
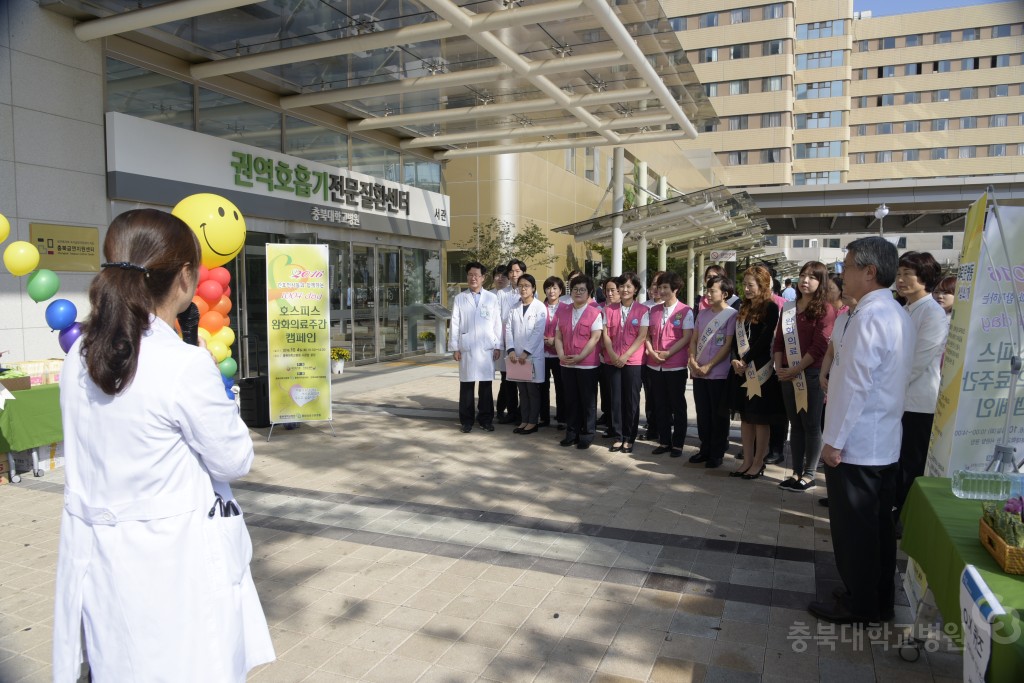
(663, 255)
(641, 265)
(690, 298)
(618, 200)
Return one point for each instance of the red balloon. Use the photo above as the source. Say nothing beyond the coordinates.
(211, 321)
(204, 273)
(227, 292)
(210, 292)
(223, 306)
(200, 304)
(221, 275)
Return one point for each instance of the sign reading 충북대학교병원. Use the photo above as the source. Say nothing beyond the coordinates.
(66, 248)
(298, 333)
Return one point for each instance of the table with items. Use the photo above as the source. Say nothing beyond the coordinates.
(29, 421)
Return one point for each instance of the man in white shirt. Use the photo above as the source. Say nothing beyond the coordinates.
(789, 294)
(476, 342)
(861, 449)
(917, 276)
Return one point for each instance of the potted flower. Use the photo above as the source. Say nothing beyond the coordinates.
(338, 357)
(427, 341)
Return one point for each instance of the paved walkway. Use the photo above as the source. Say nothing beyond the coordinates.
(404, 550)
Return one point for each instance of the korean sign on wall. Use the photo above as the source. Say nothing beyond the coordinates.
(66, 248)
(298, 333)
(974, 391)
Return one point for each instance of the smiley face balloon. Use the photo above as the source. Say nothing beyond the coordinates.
(217, 223)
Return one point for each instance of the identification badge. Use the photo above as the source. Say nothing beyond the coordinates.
(676, 323)
(719, 339)
(636, 321)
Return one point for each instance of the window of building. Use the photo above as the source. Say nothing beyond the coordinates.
(999, 90)
(711, 89)
(943, 66)
(940, 124)
(968, 63)
(818, 150)
(592, 164)
(968, 93)
(883, 129)
(968, 122)
(830, 243)
(967, 152)
(971, 34)
(913, 41)
(570, 160)
(708, 20)
(997, 121)
(709, 127)
(708, 54)
(860, 158)
(738, 122)
(771, 240)
(912, 70)
(738, 158)
(772, 47)
(818, 178)
(739, 16)
(771, 156)
(677, 23)
(911, 126)
(911, 155)
(886, 71)
(863, 46)
(145, 94)
(888, 43)
(772, 84)
(863, 74)
(1000, 61)
(947, 241)
(941, 96)
(1002, 31)
(818, 90)
(901, 242)
(911, 98)
(774, 11)
(739, 51)
(372, 158)
(226, 117)
(944, 37)
(886, 100)
(884, 157)
(997, 150)
(819, 119)
(820, 60)
(861, 102)
(862, 130)
(738, 88)
(771, 119)
(820, 29)
(801, 243)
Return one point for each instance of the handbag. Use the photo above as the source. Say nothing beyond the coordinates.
(520, 372)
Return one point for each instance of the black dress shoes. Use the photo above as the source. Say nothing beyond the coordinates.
(698, 457)
(774, 458)
(583, 445)
(487, 427)
(566, 442)
(466, 429)
(660, 450)
(531, 430)
(507, 420)
(712, 463)
(676, 453)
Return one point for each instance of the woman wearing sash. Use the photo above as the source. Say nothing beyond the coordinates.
(577, 334)
(625, 330)
(800, 346)
(755, 393)
(709, 365)
(524, 342)
(554, 288)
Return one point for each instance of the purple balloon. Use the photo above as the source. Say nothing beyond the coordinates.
(68, 336)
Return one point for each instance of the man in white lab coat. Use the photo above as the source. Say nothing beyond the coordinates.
(861, 446)
(476, 342)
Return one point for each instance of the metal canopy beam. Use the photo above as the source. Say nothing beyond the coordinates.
(176, 10)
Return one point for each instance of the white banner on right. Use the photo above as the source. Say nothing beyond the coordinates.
(984, 330)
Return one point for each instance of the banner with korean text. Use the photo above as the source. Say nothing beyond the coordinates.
(298, 333)
(974, 391)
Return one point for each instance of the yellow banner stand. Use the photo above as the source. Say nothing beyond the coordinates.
(298, 333)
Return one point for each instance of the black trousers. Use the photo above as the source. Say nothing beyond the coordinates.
(670, 405)
(917, 430)
(777, 436)
(552, 371)
(624, 400)
(860, 500)
(580, 403)
(608, 386)
(529, 401)
(485, 406)
(711, 398)
(650, 413)
(508, 397)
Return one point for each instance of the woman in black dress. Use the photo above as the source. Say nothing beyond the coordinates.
(752, 368)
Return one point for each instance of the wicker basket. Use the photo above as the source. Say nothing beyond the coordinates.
(1011, 560)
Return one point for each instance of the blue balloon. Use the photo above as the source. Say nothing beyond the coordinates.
(60, 314)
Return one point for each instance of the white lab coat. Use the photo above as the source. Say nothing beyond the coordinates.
(507, 297)
(162, 591)
(526, 333)
(476, 333)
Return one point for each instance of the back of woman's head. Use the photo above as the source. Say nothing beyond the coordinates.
(145, 250)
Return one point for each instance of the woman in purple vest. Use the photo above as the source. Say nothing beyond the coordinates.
(625, 330)
(577, 333)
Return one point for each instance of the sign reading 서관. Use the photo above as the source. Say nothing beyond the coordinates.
(298, 330)
(974, 390)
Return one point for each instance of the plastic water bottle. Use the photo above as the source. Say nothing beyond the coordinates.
(975, 483)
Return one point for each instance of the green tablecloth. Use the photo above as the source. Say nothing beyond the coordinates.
(940, 532)
(32, 419)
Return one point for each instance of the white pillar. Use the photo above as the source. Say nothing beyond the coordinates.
(663, 187)
(641, 176)
(700, 267)
(690, 298)
(618, 198)
(662, 255)
(641, 265)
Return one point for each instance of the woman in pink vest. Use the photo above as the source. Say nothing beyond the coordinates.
(668, 341)
(577, 333)
(625, 331)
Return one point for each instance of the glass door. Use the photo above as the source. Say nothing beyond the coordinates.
(389, 284)
(364, 303)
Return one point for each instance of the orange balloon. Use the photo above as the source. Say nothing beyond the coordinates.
(200, 304)
(211, 321)
(227, 321)
(223, 306)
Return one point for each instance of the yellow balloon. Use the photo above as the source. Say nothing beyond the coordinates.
(205, 334)
(218, 350)
(225, 336)
(21, 258)
(217, 223)
(5, 227)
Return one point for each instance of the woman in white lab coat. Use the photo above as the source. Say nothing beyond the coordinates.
(524, 342)
(148, 582)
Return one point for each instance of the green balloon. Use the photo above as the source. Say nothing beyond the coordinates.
(228, 367)
(42, 285)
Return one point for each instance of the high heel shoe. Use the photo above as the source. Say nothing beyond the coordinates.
(748, 477)
(739, 473)
(531, 430)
